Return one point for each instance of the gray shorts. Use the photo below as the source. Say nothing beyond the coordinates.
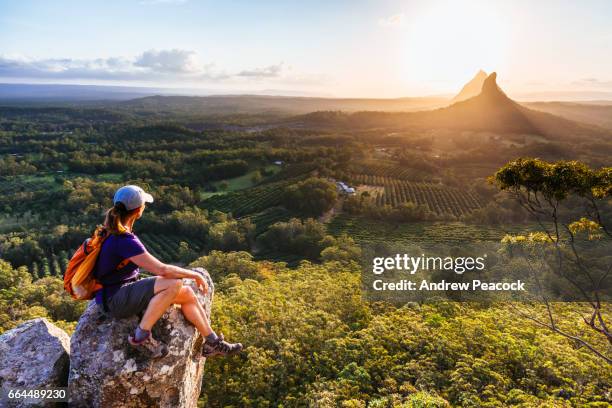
(131, 299)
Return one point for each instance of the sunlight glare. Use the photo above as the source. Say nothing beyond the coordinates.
(450, 41)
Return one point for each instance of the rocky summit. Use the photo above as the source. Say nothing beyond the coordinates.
(472, 88)
(105, 371)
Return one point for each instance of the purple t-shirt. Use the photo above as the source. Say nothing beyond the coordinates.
(114, 250)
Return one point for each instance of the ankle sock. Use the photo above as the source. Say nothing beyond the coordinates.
(212, 337)
(141, 335)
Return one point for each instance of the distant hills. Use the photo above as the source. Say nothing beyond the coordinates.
(491, 110)
(257, 104)
(69, 93)
(177, 100)
(599, 114)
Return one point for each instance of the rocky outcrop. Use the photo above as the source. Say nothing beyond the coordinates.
(472, 88)
(492, 92)
(105, 371)
(33, 355)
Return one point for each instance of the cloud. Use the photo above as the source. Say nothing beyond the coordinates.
(173, 61)
(396, 20)
(271, 71)
(65, 68)
(171, 65)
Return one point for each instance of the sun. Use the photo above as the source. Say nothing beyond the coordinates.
(450, 41)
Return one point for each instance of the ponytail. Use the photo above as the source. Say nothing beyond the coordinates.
(117, 217)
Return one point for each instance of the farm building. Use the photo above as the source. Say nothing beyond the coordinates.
(344, 188)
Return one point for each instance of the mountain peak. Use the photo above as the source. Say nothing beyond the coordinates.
(472, 88)
(490, 84)
(490, 89)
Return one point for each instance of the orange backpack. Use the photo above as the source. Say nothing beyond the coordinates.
(78, 278)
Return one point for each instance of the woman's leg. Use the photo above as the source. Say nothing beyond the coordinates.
(195, 313)
(171, 291)
(166, 291)
(193, 310)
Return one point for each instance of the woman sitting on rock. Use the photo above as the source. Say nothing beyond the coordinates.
(123, 294)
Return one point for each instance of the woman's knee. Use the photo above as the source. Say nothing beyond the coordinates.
(176, 285)
(168, 286)
(185, 295)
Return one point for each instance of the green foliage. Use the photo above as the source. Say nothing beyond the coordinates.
(312, 197)
(191, 222)
(11, 166)
(20, 251)
(341, 249)
(227, 169)
(231, 235)
(22, 299)
(554, 180)
(295, 236)
(424, 400)
(256, 177)
(308, 238)
(575, 249)
(310, 338)
(185, 253)
(221, 265)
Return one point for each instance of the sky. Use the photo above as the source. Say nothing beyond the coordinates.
(359, 48)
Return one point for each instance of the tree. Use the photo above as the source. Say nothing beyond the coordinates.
(21, 251)
(543, 188)
(256, 177)
(221, 264)
(185, 253)
(343, 249)
(231, 234)
(306, 238)
(311, 197)
(22, 299)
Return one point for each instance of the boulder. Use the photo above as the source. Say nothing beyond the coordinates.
(105, 371)
(33, 355)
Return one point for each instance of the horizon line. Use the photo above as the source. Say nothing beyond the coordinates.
(152, 90)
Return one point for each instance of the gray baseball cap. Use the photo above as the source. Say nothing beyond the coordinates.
(132, 197)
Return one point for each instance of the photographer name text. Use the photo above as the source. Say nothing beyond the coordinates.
(424, 285)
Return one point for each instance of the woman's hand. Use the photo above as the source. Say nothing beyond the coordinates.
(153, 265)
(201, 282)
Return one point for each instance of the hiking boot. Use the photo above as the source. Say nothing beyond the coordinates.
(150, 346)
(220, 347)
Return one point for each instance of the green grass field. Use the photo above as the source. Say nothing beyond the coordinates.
(245, 181)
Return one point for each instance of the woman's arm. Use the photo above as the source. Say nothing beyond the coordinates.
(156, 267)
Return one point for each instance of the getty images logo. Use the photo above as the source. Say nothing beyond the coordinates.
(411, 264)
